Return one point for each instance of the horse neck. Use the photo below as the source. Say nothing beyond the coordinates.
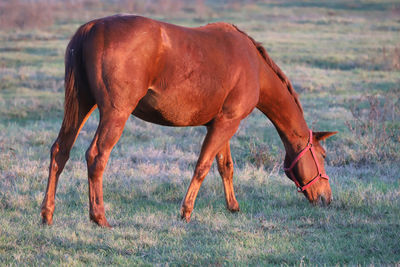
(279, 105)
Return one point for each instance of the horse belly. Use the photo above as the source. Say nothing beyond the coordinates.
(174, 110)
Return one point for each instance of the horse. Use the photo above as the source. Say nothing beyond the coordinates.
(212, 76)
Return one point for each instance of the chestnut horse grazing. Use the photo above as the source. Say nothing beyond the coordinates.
(213, 75)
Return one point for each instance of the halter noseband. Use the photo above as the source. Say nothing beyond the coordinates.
(291, 175)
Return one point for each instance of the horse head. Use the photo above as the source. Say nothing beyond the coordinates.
(307, 170)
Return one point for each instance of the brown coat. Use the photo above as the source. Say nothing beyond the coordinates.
(213, 75)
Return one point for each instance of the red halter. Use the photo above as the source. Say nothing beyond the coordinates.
(301, 154)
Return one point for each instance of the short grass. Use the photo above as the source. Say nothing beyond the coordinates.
(342, 57)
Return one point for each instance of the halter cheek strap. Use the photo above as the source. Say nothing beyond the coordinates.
(320, 174)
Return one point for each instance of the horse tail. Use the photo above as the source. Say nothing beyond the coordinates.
(75, 79)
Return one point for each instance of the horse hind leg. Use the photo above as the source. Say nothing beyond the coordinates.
(225, 169)
(59, 155)
(109, 131)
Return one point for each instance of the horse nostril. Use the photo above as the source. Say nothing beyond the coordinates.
(323, 201)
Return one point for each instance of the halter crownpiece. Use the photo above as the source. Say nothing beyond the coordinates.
(320, 174)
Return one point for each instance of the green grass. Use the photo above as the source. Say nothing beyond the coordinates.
(341, 57)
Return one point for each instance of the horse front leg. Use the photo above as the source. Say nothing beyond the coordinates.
(218, 133)
(225, 169)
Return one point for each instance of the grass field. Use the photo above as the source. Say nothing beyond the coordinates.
(343, 58)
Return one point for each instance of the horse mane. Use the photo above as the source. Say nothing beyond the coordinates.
(274, 67)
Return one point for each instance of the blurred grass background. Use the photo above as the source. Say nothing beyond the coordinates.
(343, 58)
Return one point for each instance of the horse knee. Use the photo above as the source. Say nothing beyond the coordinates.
(229, 165)
(59, 149)
(53, 152)
(90, 156)
(225, 168)
(58, 156)
(202, 170)
(96, 162)
(54, 149)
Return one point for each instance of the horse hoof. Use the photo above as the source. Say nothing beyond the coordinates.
(47, 220)
(103, 224)
(234, 208)
(100, 221)
(106, 225)
(185, 215)
(185, 218)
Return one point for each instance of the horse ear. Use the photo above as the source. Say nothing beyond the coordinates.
(319, 136)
